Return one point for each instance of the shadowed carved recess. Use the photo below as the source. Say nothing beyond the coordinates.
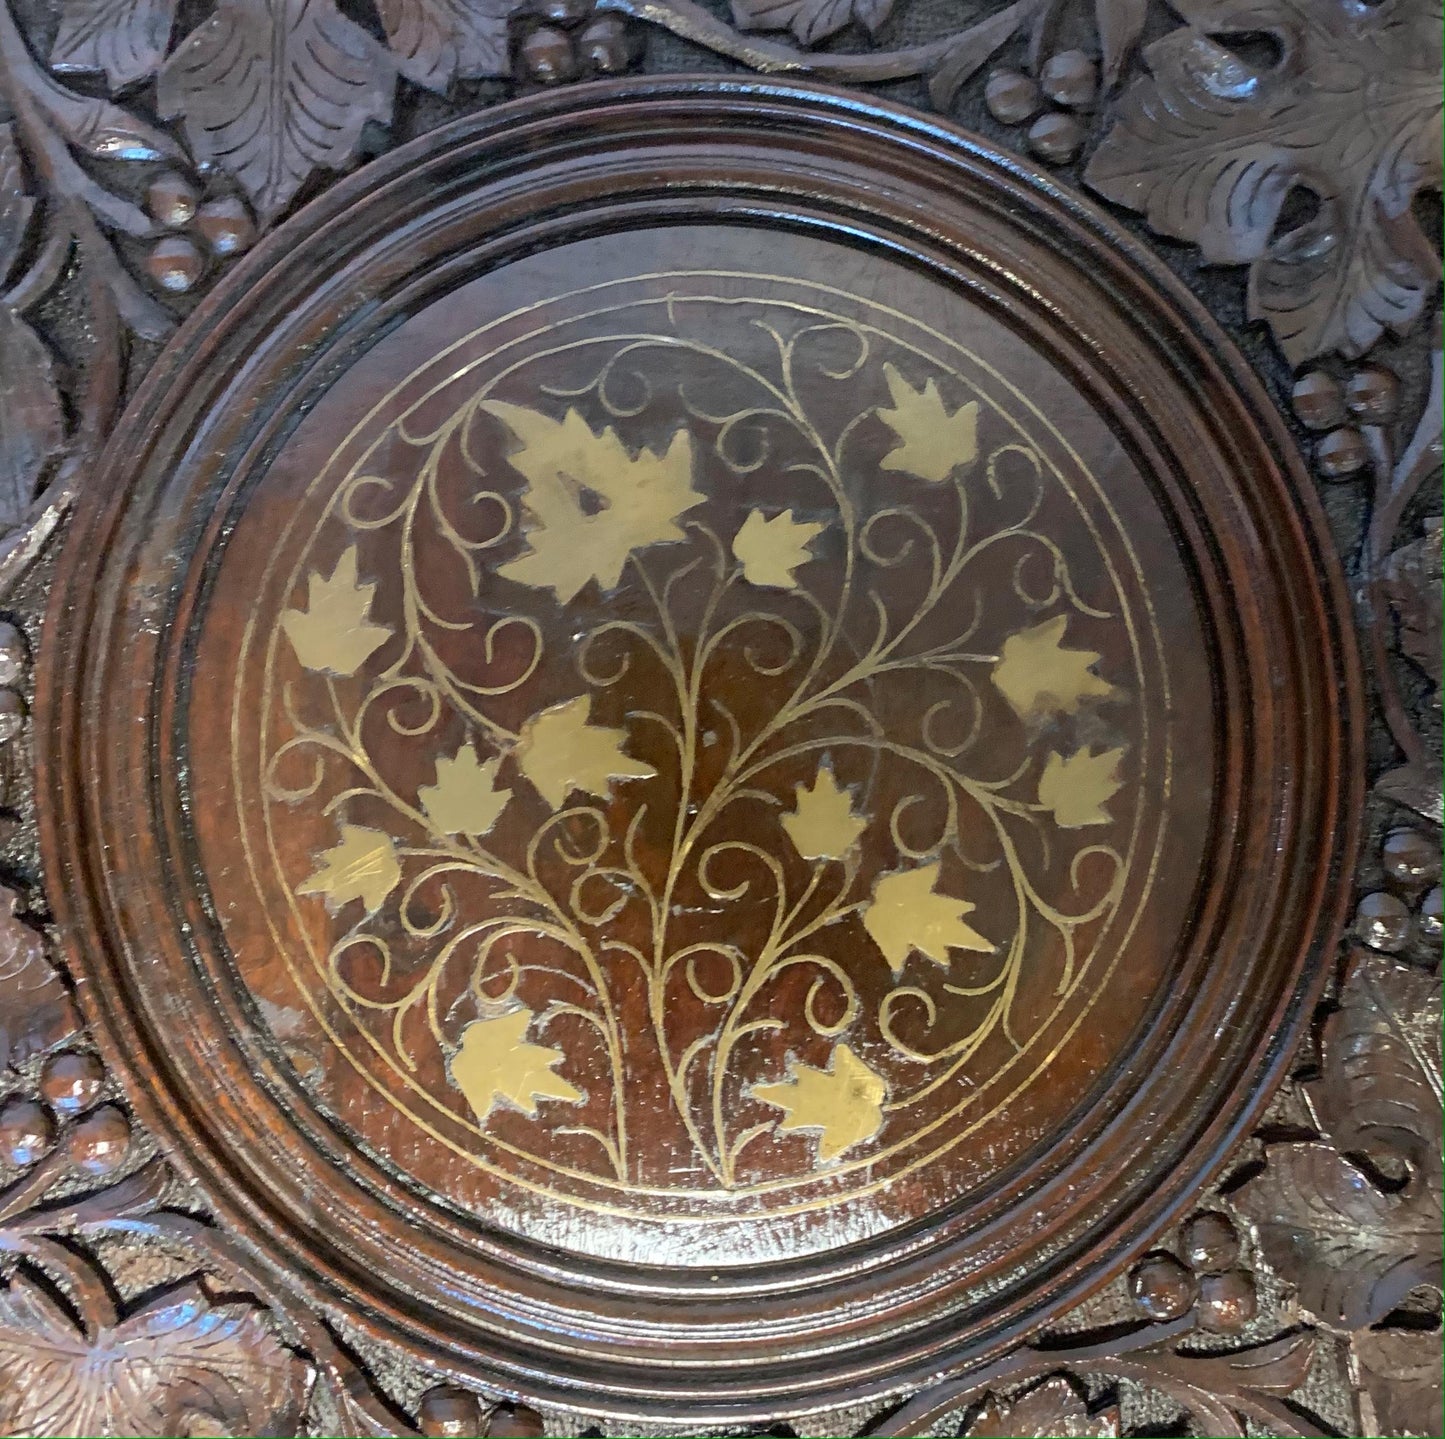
(139, 158)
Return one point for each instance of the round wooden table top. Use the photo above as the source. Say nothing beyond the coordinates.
(704, 747)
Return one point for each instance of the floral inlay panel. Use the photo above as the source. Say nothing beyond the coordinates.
(712, 746)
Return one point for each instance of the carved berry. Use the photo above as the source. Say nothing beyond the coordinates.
(563, 12)
(171, 200)
(13, 654)
(1410, 858)
(515, 1421)
(98, 1144)
(226, 225)
(1070, 78)
(1162, 1288)
(1226, 1301)
(71, 1081)
(1383, 922)
(1011, 97)
(26, 1132)
(1429, 919)
(1342, 454)
(1056, 138)
(1318, 400)
(1211, 1243)
(175, 264)
(548, 55)
(12, 715)
(449, 1412)
(606, 44)
(1372, 393)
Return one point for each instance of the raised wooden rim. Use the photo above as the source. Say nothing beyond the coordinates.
(894, 1311)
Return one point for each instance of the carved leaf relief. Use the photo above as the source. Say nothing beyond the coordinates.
(1211, 145)
(810, 20)
(438, 41)
(36, 1010)
(124, 39)
(273, 90)
(32, 421)
(1352, 1251)
(1381, 1086)
(178, 1365)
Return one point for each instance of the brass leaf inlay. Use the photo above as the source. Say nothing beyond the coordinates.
(495, 1063)
(335, 633)
(770, 550)
(559, 750)
(465, 798)
(822, 825)
(362, 866)
(590, 502)
(907, 914)
(842, 1103)
(933, 440)
(1078, 787)
(1036, 674)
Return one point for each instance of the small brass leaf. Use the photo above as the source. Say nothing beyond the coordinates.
(559, 751)
(362, 866)
(933, 440)
(770, 550)
(335, 633)
(591, 503)
(1077, 788)
(465, 798)
(906, 914)
(495, 1063)
(1036, 674)
(823, 826)
(842, 1103)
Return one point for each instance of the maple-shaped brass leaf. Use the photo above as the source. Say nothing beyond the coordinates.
(1036, 674)
(465, 798)
(770, 550)
(496, 1064)
(559, 751)
(906, 914)
(933, 440)
(1077, 788)
(335, 633)
(823, 825)
(362, 866)
(842, 1103)
(590, 502)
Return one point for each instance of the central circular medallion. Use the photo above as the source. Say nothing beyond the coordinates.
(701, 782)
(701, 744)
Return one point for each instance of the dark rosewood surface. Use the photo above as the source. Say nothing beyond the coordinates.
(738, 748)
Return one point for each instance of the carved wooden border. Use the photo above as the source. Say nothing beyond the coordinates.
(121, 198)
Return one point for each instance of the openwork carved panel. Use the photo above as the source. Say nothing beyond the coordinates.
(697, 744)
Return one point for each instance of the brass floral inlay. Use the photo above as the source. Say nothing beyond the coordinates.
(672, 741)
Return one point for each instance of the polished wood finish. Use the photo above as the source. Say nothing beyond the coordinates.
(1174, 504)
